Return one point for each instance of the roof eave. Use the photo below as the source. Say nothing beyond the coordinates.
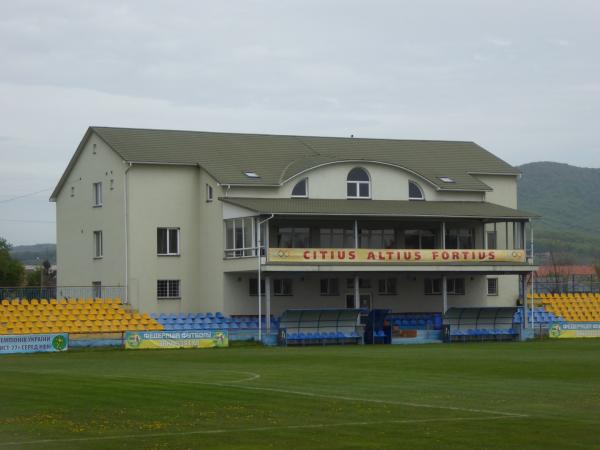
(71, 164)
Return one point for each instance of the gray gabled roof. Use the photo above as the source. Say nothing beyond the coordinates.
(277, 158)
(384, 208)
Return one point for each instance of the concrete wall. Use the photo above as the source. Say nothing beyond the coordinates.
(410, 295)
(77, 219)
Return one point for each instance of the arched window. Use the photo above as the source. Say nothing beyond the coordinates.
(414, 191)
(358, 184)
(301, 188)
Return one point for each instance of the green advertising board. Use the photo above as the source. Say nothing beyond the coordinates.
(565, 330)
(135, 340)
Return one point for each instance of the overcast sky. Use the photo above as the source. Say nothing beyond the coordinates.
(521, 78)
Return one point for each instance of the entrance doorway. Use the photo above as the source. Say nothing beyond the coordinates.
(365, 301)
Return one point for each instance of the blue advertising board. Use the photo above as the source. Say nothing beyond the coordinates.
(33, 343)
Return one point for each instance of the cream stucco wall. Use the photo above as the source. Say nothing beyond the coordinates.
(504, 193)
(329, 182)
(170, 196)
(410, 295)
(175, 196)
(77, 219)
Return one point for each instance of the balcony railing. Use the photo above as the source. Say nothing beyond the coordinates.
(63, 292)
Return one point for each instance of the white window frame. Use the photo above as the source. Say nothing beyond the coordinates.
(168, 231)
(421, 197)
(278, 287)
(97, 194)
(98, 244)
(446, 179)
(209, 193)
(262, 286)
(493, 292)
(460, 233)
(390, 286)
(305, 195)
(358, 184)
(248, 248)
(451, 282)
(363, 283)
(332, 287)
(170, 294)
(487, 239)
(430, 286)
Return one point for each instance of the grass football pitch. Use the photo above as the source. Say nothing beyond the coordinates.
(473, 396)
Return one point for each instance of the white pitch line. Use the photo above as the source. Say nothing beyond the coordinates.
(249, 429)
(369, 400)
(232, 384)
(253, 376)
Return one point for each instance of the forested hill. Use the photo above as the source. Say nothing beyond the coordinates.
(34, 254)
(568, 199)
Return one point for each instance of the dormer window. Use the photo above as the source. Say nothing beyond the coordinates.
(301, 189)
(251, 174)
(414, 191)
(358, 184)
(446, 179)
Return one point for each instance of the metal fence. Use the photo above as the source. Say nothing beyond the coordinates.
(63, 292)
(568, 286)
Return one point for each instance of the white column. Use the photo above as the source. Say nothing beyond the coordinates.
(445, 293)
(268, 306)
(356, 292)
(356, 278)
(525, 306)
(443, 235)
(259, 289)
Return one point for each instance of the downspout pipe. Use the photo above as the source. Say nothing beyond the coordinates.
(126, 225)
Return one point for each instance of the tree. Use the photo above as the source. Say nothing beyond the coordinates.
(34, 277)
(12, 272)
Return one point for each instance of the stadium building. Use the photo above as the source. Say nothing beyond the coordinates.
(176, 218)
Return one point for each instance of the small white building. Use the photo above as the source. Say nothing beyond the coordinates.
(174, 218)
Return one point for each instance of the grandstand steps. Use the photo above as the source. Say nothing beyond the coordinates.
(74, 316)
